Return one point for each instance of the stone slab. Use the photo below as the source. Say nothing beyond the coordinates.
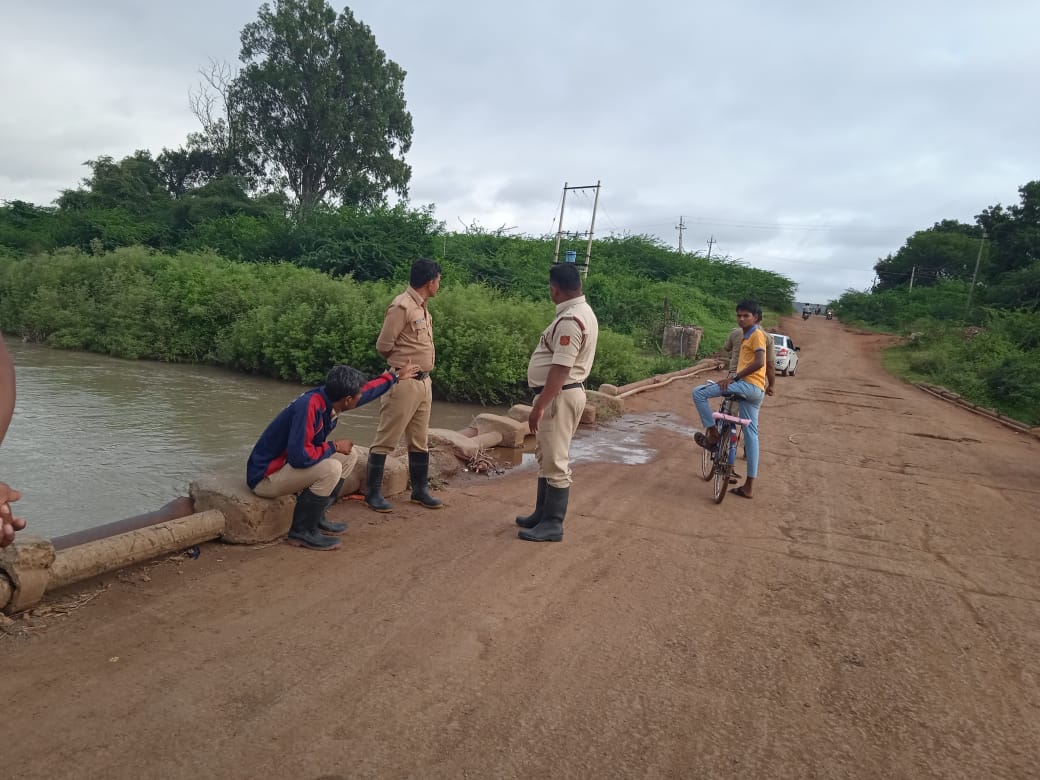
(513, 431)
(607, 407)
(249, 519)
(464, 446)
(519, 412)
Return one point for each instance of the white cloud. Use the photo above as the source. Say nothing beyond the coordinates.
(809, 138)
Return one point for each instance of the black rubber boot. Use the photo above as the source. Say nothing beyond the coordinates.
(550, 528)
(374, 484)
(306, 515)
(531, 520)
(332, 527)
(419, 473)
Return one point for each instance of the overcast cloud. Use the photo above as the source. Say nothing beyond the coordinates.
(809, 137)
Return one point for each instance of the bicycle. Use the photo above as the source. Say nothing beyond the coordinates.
(718, 464)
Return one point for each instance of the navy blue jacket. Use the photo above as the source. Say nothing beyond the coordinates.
(298, 434)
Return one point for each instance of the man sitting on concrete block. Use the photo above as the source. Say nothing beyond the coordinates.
(294, 456)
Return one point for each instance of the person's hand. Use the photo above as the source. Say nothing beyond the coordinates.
(408, 372)
(9, 523)
(724, 384)
(343, 446)
(769, 390)
(534, 418)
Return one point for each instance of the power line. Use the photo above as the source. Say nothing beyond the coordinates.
(782, 226)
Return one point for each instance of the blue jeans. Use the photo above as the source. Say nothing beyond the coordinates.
(748, 410)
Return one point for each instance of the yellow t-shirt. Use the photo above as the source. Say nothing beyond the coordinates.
(754, 340)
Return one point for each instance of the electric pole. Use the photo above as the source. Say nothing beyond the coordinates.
(975, 275)
(912, 272)
(710, 242)
(680, 227)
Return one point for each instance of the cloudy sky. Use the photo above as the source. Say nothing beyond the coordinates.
(808, 136)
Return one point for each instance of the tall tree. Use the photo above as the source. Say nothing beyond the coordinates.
(322, 106)
(947, 250)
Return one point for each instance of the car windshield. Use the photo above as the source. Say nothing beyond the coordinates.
(778, 340)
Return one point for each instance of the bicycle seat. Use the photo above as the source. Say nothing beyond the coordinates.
(734, 396)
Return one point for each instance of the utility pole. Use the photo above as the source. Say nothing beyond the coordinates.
(912, 272)
(710, 242)
(583, 268)
(680, 227)
(975, 275)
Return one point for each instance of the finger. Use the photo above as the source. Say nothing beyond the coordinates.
(18, 523)
(6, 535)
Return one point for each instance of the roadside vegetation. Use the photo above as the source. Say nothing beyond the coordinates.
(267, 243)
(983, 343)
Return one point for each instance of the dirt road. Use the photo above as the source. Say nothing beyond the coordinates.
(873, 612)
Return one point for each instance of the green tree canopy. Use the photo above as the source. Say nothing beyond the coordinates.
(947, 250)
(321, 105)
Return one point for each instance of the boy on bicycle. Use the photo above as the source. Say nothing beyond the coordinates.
(749, 381)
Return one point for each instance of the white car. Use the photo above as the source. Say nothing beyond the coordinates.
(786, 354)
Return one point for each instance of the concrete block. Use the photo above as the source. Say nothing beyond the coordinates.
(27, 565)
(588, 416)
(249, 518)
(354, 482)
(464, 446)
(443, 463)
(513, 431)
(395, 475)
(608, 389)
(519, 412)
(607, 407)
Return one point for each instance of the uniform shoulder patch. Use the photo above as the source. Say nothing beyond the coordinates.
(565, 340)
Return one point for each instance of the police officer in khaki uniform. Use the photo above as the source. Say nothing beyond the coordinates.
(406, 338)
(556, 373)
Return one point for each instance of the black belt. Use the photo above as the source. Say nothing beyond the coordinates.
(571, 386)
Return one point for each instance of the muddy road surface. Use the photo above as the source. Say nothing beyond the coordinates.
(874, 611)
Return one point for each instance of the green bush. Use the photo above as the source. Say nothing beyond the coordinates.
(280, 320)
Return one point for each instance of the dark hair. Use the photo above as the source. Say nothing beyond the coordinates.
(343, 381)
(565, 276)
(423, 270)
(751, 307)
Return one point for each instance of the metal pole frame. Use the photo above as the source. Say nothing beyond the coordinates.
(559, 226)
(583, 268)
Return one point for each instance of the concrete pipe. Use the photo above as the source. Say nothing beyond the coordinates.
(179, 507)
(93, 558)
(5, 591)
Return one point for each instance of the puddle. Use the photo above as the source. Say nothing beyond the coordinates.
(621, 441)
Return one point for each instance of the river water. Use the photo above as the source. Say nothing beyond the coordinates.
(97, 439)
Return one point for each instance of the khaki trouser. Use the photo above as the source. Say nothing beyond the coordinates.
(404, 409)
(321, 478)
(553, 439)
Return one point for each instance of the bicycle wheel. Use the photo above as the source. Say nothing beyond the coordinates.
(707, 463)
(720, 485)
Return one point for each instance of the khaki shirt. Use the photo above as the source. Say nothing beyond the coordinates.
(732, 347)
(407, 334)
(570, 340)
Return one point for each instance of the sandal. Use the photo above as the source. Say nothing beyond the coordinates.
(739, 491)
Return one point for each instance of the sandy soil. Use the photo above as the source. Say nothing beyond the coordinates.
(873, 612)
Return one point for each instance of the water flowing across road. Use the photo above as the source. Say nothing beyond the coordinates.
(96, 439)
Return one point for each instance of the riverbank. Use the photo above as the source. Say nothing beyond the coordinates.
(874, 628)
(97, 439)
